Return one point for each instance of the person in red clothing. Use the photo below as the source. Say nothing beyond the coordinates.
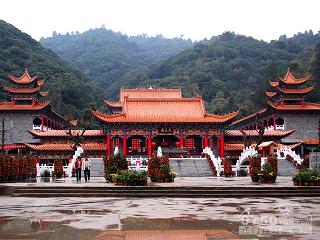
(78, 165)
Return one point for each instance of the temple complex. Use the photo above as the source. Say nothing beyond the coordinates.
(25, 111)
(286, 109)
(144, 119)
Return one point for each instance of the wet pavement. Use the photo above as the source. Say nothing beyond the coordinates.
(161, 218)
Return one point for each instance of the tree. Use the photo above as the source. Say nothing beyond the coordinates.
(315, 70)
(260, 129)
(85, 122)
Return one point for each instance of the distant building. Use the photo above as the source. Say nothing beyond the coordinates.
(25, 111)
(286, 110)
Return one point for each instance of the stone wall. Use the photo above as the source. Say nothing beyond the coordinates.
(305, 125)
(314, 160)
(16, 126)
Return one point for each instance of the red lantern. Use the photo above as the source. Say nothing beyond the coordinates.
(153, 144)
(178, 144)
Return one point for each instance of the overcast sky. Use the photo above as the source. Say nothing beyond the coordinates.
(195, 19)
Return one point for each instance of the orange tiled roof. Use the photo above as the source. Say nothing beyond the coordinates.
(13, 146)
(73, 122)
(296, 91)
(43, 94)
(274, 84)
(249, 116)
(311, 141)
(21, 90)
(270, 94)
(305, 107)
(40, 82)
(167, 234)
(64, 133)
(66, 147)
(8, 106)
(113, 104)
(235, 146)
(254, 133)
(164, 110)
(150, 93)
(291, 80)
(24, 79)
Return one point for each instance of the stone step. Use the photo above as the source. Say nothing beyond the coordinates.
(173, 194)
(191, 167)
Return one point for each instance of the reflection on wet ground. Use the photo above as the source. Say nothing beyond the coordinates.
(119, 218)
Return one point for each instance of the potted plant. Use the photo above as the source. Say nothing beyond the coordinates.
(255, 167)
(267, 175)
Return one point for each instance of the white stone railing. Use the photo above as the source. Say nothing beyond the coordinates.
(50, 168)
(216, 161)
(247, 152)
(43, 167)
(135, 163)
(77, 154)
(288, 151)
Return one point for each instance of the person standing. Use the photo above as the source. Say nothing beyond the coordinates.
(78, 165)
(86, 165)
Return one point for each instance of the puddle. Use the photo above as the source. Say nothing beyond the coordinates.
(84, 211)
(99, 218)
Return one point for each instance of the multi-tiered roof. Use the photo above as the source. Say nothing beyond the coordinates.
(159, 106)
(25, 93)
(289, 94)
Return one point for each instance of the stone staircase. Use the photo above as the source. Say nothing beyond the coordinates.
(97, 167)
(168, 192)
(190, 167)
(286, 168)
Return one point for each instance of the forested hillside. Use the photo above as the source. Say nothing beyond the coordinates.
(69, 90)
(230, 71)
(106, 56)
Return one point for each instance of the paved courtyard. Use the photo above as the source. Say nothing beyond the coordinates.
(179, 181)
(161, 218)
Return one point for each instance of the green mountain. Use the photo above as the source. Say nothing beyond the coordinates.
(70, 91)
(106, 56)
(230, 71)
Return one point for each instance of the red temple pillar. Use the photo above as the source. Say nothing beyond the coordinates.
(206, 141)
(124, 145)
(108, 145)
(222, 146)
(12, 102)
(181, 140)
(274, 123)
(211, 143)
(149, 144)
(42, 122)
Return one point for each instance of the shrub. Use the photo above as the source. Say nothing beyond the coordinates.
(58, 168)
(255, 165)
